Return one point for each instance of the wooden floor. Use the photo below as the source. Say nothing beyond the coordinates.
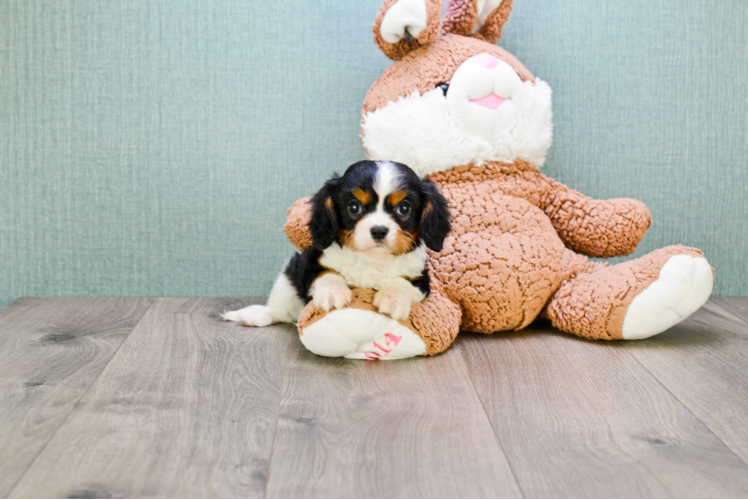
(129, 397)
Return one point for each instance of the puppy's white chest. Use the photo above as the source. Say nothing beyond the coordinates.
(364, 270)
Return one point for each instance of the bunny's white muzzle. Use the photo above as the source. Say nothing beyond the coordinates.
(487, 114)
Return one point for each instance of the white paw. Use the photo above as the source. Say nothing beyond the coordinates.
(683, 286)
(393, 303)
(331, 296)
(254, 315)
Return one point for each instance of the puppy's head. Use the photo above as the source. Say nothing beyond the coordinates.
(379, 207)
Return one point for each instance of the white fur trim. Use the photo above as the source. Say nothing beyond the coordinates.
(430, 134)
(359, 334)
(371, 269)
(405, 15)
(485, 8)
(473, 80)
(683, 286)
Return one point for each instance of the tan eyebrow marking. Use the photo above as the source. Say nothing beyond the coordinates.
(396, 197)
(363, 196)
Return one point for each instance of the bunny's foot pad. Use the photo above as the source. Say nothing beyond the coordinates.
(360, 331)
(684, 285)
(359, 334)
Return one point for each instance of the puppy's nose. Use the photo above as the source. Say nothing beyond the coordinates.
(379, 232)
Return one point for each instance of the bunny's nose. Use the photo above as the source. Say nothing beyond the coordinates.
(486, 60)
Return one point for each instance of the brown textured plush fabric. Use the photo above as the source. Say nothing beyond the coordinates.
(461, 15)
(593, 304)
(509, 249)
(436, 320)
(520, 241)
(398, 50)
(502, 260)
(297, 224)
(426, 67)
(597, 228)
(610, 228)
(491, 31)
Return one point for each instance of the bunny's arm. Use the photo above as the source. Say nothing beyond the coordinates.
(596, 228)
(297, 224)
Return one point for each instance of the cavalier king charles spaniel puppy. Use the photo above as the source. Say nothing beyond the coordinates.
(370, 229)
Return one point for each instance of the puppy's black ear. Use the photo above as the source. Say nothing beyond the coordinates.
(324, 222)
(435, 216)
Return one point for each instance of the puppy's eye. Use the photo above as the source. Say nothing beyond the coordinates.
(443, 86)
(403, 209)
(354, 208)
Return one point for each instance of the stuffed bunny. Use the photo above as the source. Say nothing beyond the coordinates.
(468, 115)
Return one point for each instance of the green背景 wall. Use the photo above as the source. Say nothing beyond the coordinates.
(152, 147)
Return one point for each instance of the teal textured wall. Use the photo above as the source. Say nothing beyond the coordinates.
(151, 147)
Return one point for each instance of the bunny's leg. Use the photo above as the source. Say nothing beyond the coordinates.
(632, 300)
(359, 331)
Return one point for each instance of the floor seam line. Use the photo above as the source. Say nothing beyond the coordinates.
(727, 310)
(490, 424)
(277, 416)
(93, 382)
(667, 389)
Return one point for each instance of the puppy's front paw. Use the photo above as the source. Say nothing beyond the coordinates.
(393, 302)
(332, 297)
(330, 293)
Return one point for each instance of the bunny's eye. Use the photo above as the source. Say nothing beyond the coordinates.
(443, 86)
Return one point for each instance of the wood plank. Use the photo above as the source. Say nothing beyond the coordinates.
(737, 306)
(409, 428)
(51, 351)
(704, 363)
(582, 418)
(186, 408)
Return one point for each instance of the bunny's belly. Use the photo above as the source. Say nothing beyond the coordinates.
(501, 263)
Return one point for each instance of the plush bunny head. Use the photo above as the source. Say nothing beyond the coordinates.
(453, 98)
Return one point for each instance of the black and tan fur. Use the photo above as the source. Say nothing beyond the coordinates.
(334, 223)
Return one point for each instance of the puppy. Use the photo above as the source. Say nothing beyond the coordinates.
(370, 229)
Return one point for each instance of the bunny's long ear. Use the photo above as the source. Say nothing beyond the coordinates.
(405, 25)
(482, 19)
